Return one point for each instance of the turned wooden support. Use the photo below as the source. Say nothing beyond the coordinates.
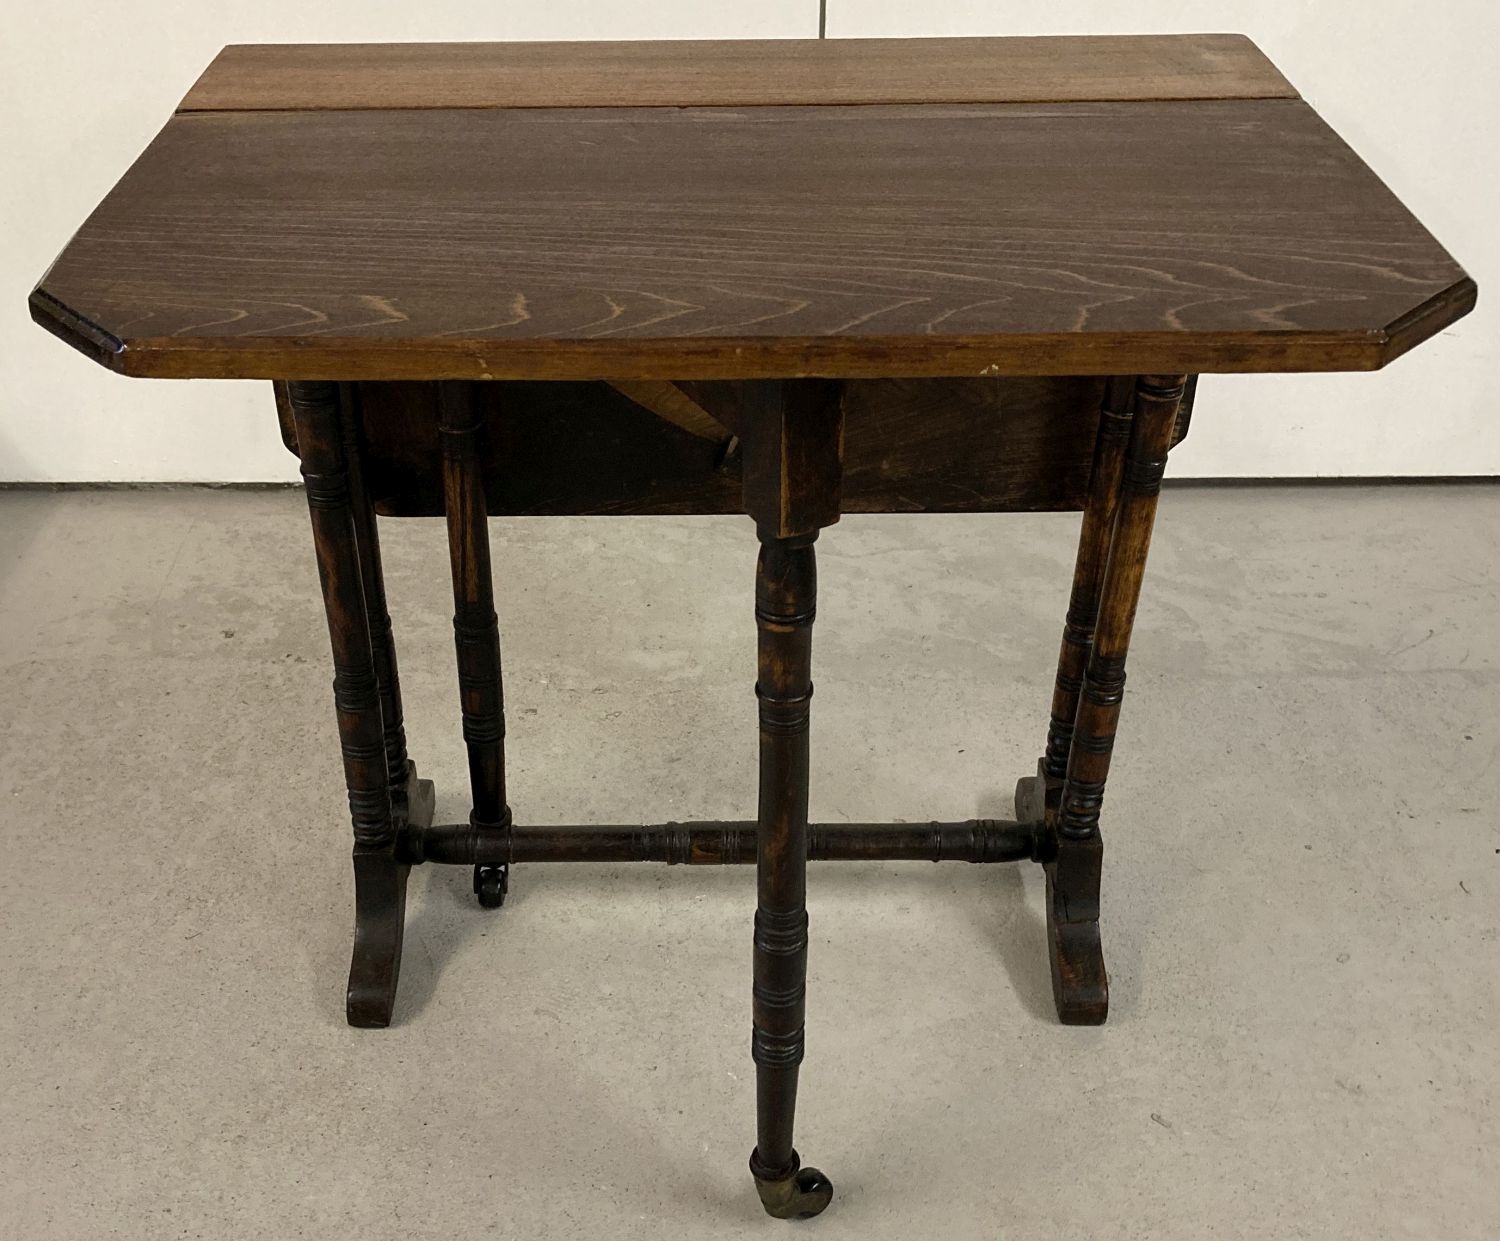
(315, 406)
(1088, 577)
(380, 877)
(793, 449)
(1156, 401)
(1080, 983)
(720, 843)
(377, 613)
(785, 591)
(476, 629)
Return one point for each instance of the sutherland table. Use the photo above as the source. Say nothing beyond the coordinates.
(790, 279)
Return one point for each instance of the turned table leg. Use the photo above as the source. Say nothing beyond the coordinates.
(793, 434)
(476, 629)
(785, 598)
(379, 875)
(411, 797)
(1088, 578)
(1079, 982)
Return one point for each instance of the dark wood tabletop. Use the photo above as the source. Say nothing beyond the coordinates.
(862, 208)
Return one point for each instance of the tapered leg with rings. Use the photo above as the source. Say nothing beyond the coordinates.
(785, 599)
(411, 797)
(476, 630)
(793, 436)
(1088, 578)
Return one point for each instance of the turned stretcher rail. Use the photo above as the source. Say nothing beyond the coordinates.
(723, 843)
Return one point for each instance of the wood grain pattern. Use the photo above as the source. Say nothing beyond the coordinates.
(717, 243)
(739, 73)
(968, 445)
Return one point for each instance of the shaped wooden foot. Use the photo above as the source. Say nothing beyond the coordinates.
(379, 922)
(1080, 985)
(380, 912)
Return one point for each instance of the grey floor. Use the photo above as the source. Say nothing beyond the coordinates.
(1301, 892)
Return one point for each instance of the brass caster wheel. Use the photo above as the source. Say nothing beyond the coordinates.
(798, 1194)
(491, 883)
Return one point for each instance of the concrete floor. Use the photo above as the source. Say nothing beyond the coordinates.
(1303, 886)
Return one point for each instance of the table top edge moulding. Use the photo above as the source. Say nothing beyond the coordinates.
(1171, 206)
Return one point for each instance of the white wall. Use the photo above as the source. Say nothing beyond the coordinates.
(83, 89)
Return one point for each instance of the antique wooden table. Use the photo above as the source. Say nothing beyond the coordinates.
(790, 279)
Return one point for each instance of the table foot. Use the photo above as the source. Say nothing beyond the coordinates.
(380, 874)
(799, 1193)
(1080, 985)
(379, 923)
